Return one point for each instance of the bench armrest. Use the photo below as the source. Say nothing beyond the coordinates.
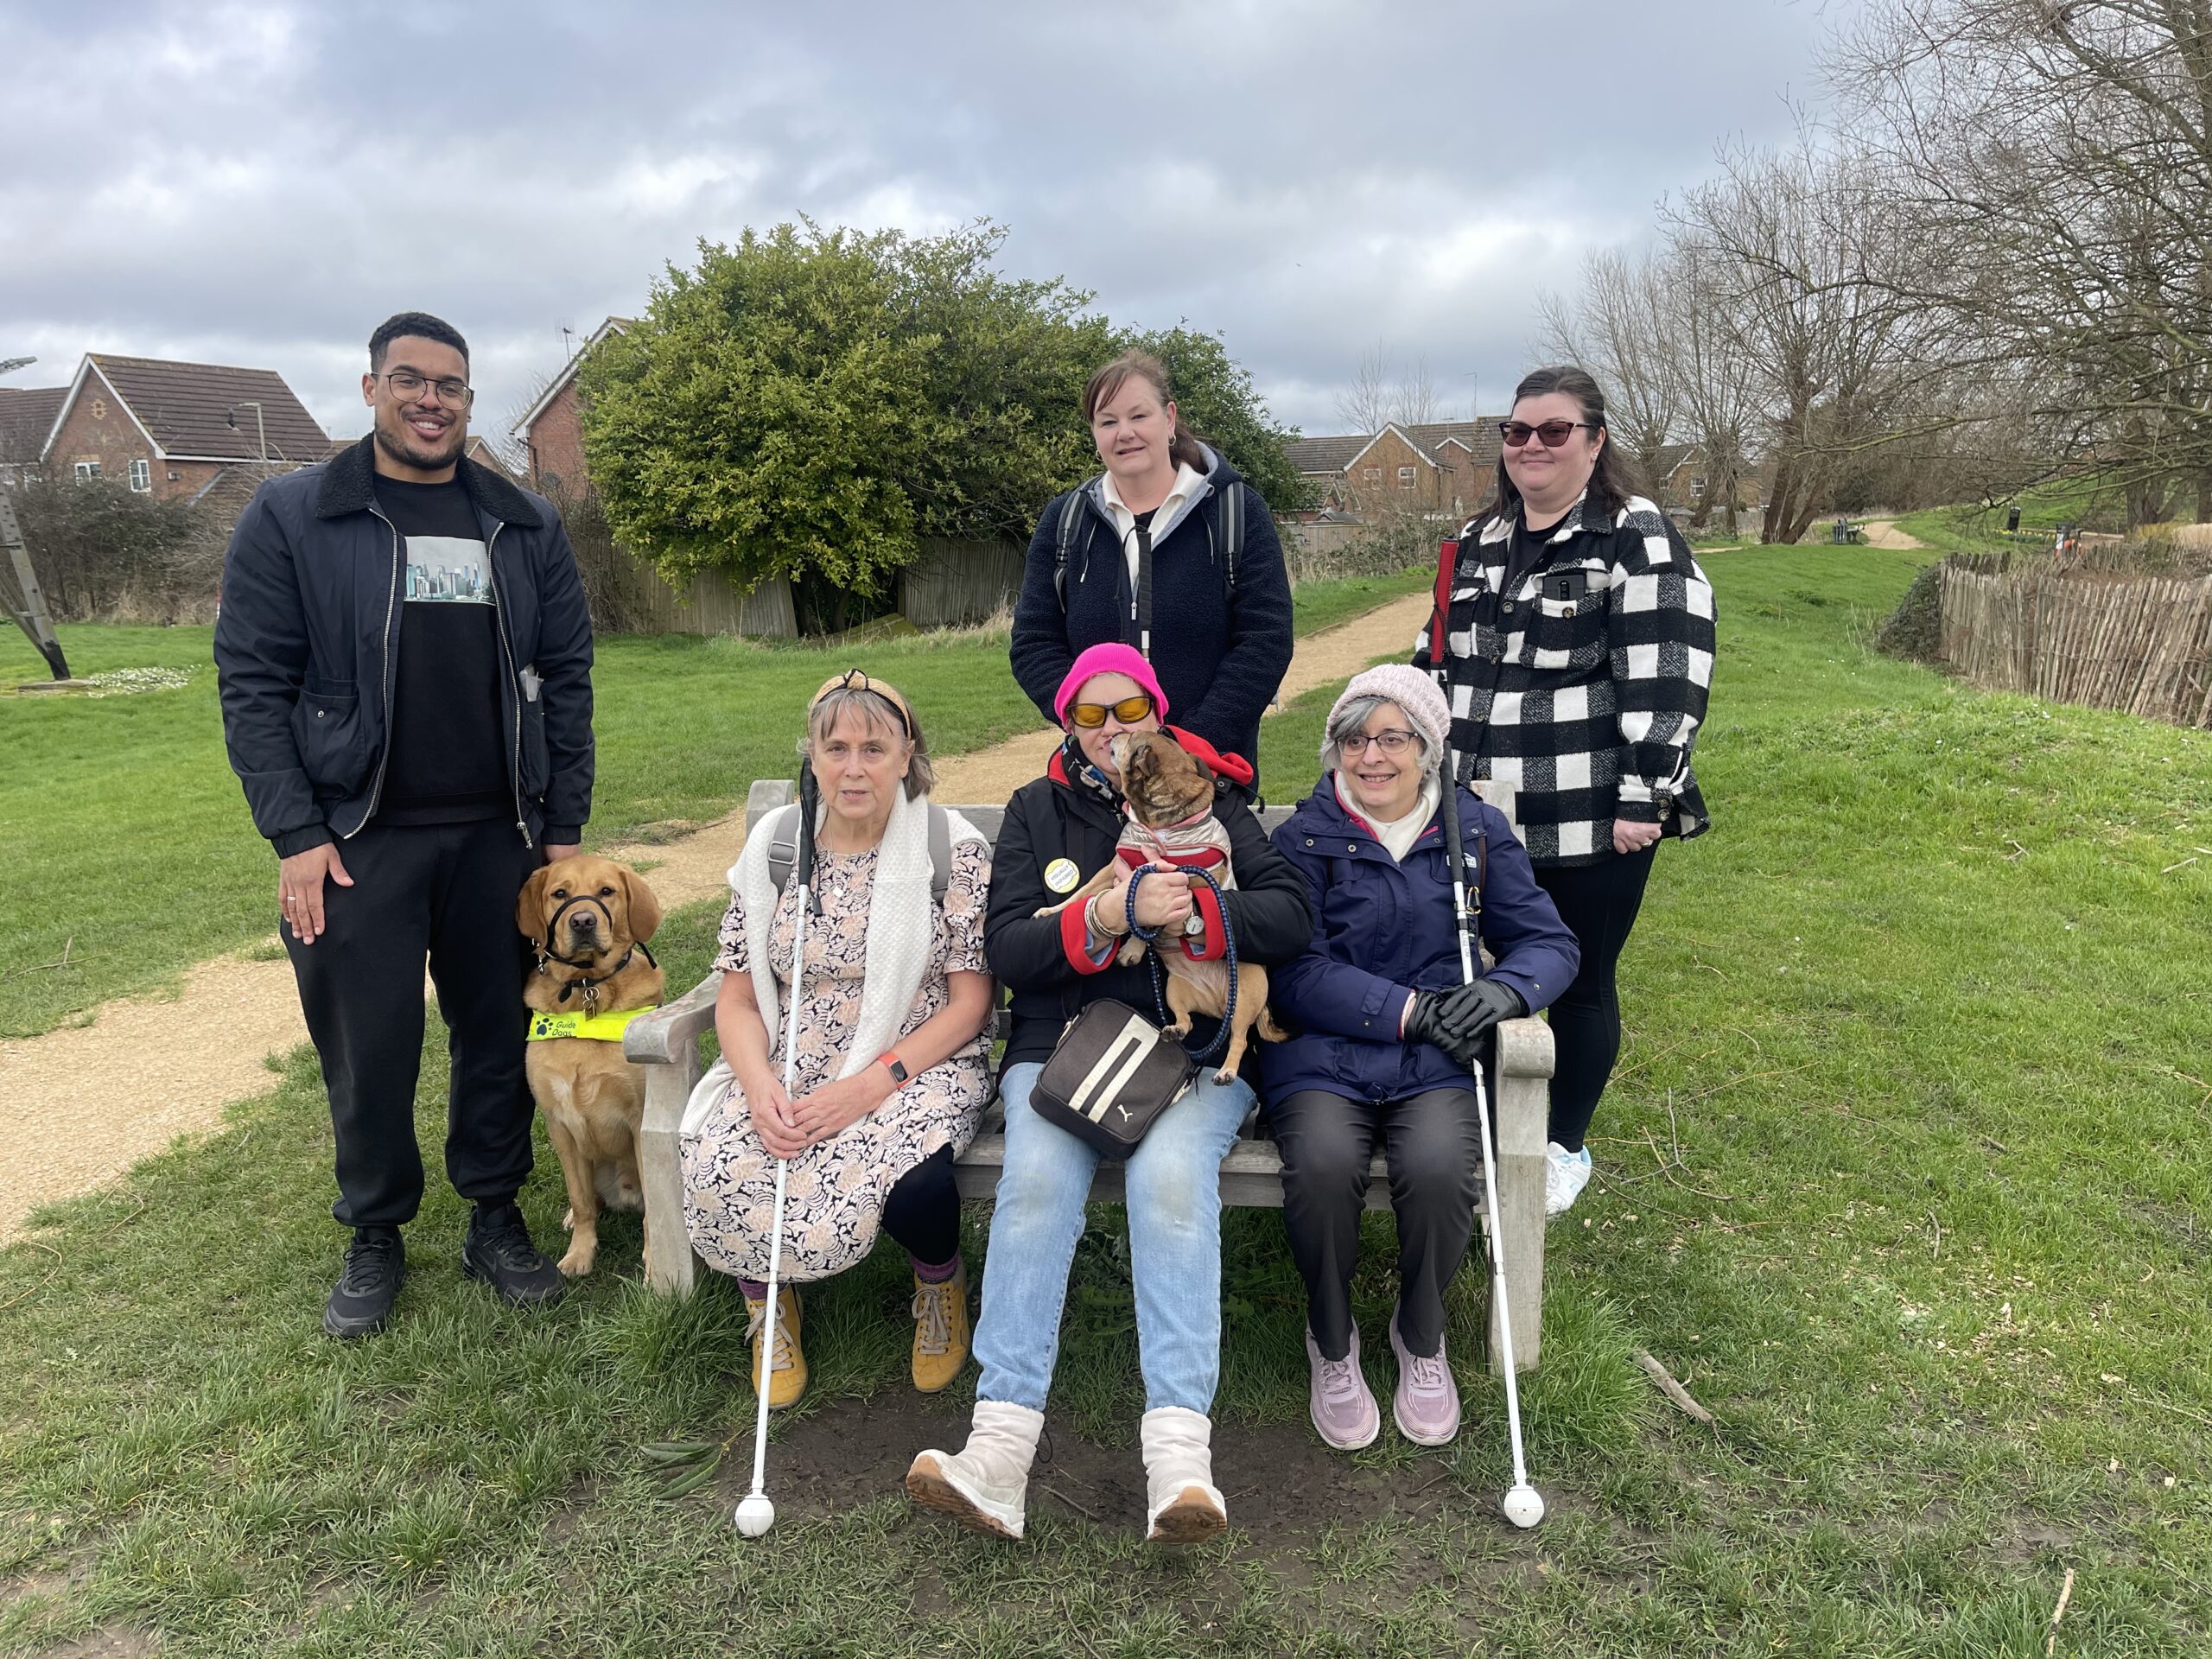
(674, 1028)
(1525, 1048)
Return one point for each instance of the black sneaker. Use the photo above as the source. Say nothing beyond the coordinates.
(361, 1303)
(499, 1251)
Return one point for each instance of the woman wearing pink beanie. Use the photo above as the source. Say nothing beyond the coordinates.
(1057, 832)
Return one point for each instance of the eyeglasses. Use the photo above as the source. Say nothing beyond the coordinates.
(405, 384)
(1554, 433)
(1390, 742)
(1129, 710)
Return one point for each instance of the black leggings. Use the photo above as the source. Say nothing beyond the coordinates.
(921, 1212)
(1598, 903)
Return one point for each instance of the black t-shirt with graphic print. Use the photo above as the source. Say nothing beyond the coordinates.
(447, 762)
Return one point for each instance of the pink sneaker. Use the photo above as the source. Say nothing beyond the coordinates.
(1427, 1403)
(1342, 1405)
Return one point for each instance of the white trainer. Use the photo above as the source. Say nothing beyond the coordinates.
(984, 1485)
(1566, 1174)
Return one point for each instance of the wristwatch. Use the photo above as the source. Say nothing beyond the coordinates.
(898, 1072)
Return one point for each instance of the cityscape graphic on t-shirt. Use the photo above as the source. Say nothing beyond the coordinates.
(446, 569)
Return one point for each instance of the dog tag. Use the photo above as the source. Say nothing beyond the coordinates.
(1061, 875)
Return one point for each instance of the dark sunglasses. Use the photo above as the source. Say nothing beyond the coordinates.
(1092, 715)
(1554, 433)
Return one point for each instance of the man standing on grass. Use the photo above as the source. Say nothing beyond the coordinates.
(405, 660)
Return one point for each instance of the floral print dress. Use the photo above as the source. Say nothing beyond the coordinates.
(836, 1191)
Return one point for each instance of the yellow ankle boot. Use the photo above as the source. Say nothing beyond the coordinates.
(940, 1329)
(790, 1373)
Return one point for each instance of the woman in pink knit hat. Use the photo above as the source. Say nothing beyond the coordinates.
(1057, 832)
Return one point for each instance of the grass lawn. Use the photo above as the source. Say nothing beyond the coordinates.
(103, 801)
(1904, 1173)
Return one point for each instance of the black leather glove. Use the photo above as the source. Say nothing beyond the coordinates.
(1425, 1020)
(1470, 1012)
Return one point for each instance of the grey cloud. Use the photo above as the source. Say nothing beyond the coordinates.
(261, 184)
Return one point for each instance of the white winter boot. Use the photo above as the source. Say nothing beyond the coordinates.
(1182, 1506)
(982, 1484)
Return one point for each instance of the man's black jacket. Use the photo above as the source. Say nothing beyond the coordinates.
(1042, 958)
(306, 648)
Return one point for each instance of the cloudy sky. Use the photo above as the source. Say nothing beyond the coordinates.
(260, 184)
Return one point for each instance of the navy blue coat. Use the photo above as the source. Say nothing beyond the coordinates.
(1219, 653)
(305, 659)
(1383, 930)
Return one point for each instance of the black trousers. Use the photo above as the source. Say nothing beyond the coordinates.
(446, 892)
(1598, 903)
(1434, 1145)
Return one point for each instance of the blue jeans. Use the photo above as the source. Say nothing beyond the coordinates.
(1174, 1201)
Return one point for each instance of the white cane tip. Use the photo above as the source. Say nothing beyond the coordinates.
(1524, 1507)
(755, 1515)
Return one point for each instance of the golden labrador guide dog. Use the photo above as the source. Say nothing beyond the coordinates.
(589, 919)
(1170, 823)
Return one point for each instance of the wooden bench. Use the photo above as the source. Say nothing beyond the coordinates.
(667, 1041)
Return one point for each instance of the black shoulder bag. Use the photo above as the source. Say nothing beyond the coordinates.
(1113, 1072)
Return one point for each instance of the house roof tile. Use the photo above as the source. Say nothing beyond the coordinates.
(185, 406)
(26, 415)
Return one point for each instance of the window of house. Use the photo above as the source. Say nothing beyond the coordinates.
(1697, 489)
(1370, 474)
(87, 470)
(1405, 478)
(142, 476)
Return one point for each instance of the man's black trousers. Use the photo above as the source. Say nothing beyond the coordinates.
(446, 892)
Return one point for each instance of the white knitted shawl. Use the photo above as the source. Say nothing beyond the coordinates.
(901, 919)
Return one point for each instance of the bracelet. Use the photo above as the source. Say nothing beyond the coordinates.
(1091, 919)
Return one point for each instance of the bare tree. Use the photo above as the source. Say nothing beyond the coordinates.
(1620, 328)
(1415, 401)
(2060, 152)
(1365, 405)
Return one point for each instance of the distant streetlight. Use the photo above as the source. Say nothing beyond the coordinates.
(10, 365)
(230, 419)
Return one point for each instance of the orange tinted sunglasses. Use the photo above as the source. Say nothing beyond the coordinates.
(1129, 710)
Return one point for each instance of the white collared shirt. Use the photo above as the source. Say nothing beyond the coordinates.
(1189, 484)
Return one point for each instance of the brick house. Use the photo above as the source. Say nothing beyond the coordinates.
(25, 416)
(552, 431)
(172, 429)
(1444, 468)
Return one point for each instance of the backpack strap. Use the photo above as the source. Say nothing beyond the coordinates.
(782, 831)
(1064, 541)
(783, 849)
(1232, 533)
(940, 853)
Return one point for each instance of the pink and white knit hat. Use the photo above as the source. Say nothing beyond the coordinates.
(1416, 696)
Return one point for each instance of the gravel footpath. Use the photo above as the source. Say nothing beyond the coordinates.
(79, 1105)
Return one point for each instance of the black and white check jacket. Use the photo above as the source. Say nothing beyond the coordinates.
(1584, 686)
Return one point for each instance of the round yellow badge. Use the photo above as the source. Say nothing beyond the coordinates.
(1061, 875)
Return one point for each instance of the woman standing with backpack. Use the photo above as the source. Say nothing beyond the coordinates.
(1168, 550)
(1577, 657)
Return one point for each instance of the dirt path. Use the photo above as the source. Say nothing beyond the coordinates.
(79, 1105)
(1883, 532)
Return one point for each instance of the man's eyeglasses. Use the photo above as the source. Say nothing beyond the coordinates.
(1391, 742)
(1554, 433)
(1129, 710)
(408, 385)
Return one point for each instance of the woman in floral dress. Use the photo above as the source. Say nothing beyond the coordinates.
(893, 1052)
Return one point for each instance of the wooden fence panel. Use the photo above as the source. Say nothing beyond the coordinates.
(2139, 644)
(956, 583)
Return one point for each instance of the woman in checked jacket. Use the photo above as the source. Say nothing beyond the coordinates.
(1577, 654)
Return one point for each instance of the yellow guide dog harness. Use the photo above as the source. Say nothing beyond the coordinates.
(596, 1027)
